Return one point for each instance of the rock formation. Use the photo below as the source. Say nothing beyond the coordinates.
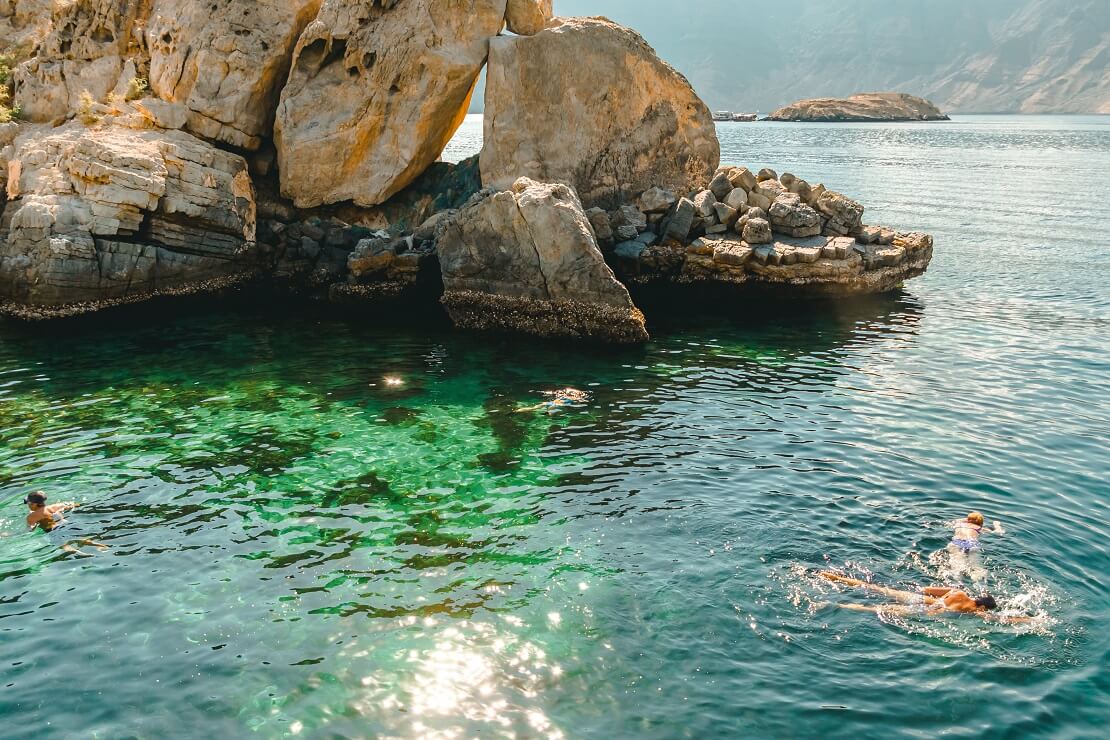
(865, 107)
(84, 51)
(808, 241)
(295, 141)
(587, 102)
(117, 213)
(226, 62)
(526, 260)
(376, 91)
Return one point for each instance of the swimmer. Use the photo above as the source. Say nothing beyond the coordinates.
(559, 398)
(964, 549)
(931, 601)
(49, 518)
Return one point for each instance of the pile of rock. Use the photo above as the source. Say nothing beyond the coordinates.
(762, 227)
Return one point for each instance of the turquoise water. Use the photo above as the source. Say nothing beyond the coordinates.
(300, 548)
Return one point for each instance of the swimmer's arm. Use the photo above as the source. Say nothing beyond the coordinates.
(997, 529)
(537, 407)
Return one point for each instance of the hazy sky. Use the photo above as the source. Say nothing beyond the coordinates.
(971, 55)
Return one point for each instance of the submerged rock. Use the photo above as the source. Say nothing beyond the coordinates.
(526, 260)
(375, 93)
(588, 103)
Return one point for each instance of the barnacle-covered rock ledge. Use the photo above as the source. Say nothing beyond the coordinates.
(165, 147)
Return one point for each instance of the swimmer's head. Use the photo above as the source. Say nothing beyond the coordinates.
(35, 500)
(986, 602)
(975, 518)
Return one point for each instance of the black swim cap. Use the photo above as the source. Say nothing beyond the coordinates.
(987, 602)
(38, 497)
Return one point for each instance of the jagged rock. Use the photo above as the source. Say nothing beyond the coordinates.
(526, 260)
(791, 216)
(630, 249)
(375, 92)
(603, 227)
(703, 204)
(737, 198)
(720, 186)
(757, 231)
(742, 177)
(588, 103)
(845, 215)
(770, 189)
(868, 234)
(628, 216)
(734, 254)
(837, 248)
(527, 17)
(766, 174)
(84, 49)
(108, 214)
(225, 62)
(726, 214)
(657, 200)
(625, 233)
(913, 241)
(801, 188)
(757, 199)
(678, 226)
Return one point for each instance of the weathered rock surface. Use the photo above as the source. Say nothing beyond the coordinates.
(792, 217)
(225, 62)
(589, 104)
(85, 49)
(526, 260)
(376, 91)
(108, 214)
(527, 17)
(863, 107)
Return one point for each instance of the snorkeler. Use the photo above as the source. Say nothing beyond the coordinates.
(559, 398)
(931, 601)
(964, 549)
(50, 517)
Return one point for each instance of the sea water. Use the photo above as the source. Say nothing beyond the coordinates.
(328, 525)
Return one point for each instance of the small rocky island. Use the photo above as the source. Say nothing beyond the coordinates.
(167, 147)
(865, 107)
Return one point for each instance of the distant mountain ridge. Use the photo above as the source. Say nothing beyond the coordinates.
(1005, 56)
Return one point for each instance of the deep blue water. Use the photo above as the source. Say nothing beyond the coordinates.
(300, 548)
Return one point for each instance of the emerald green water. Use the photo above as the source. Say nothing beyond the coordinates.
(298, 548)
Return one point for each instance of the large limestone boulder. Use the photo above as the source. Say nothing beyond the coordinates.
(376, 91)
(110, 213)
(526, 260)
(588, 103)
(226, 62)
(86, 49)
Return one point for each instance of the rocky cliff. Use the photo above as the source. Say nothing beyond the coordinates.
(863, 107)
(162, 148)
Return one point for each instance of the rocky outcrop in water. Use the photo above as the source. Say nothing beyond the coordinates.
(865, 107)
(770, 233)
(588, 103)
(527, 260)
(174, 147)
